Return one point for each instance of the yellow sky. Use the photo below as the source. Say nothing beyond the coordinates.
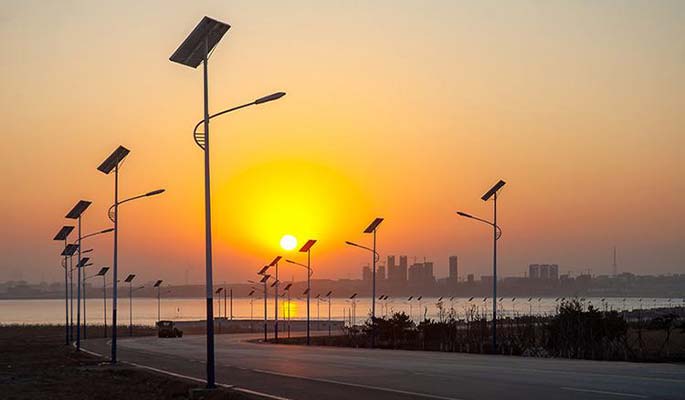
(406, 110)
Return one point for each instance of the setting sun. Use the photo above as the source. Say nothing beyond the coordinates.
(288, 242)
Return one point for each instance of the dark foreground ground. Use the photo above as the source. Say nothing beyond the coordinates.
(35, 363)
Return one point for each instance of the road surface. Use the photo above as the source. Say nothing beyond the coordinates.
(302, 373)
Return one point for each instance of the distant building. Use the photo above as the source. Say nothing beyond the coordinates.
(421, 273)
(534, 271)
(543, 272)
(486, 280)
(554, 272)
(366, 273)
(470, 278)
(403, 269)
(397, 273)
(454, 269)
(380, 273)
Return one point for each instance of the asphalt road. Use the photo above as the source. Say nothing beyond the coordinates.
(301, 373)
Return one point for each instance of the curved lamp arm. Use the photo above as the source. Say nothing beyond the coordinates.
(311, 272)
(110, 212)
(378, 256)
(499, 230)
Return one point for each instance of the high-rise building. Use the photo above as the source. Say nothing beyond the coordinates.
(416, 274)
(534, 271)
(366, 273)
(428, 276)
(470, 278)
(554, 272)
(380, 272)
(454, 269)
(402, 274)
(544, 271)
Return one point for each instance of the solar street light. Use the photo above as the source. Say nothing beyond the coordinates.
(62, 235)
(103, 273)
(195, 49)
(111, 163)
(264, 280)
(274, 263)
(306, 248)
(158, 285)
(492, 193)
(75, 213)
(372, 228)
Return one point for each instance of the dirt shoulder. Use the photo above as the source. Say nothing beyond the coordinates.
(35, 363)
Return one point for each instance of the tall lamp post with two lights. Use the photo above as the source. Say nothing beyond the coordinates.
(307, 248)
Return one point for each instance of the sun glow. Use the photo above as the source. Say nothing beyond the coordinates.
(269, 205)
(288, 242)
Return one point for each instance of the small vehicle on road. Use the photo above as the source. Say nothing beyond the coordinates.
(167, 329)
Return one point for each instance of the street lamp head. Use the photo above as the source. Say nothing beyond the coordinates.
(463, 214)
(108, 230)
(86, 251)
(193, 50)
(271, 97)
(351, 243)
(63, 233)
(103, 271)
(155, 192)
(493, 190)
(129, 278)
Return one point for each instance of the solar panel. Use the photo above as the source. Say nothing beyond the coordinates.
(353, 296)
(263, 270)
(82, 263)
(287, 287)
(372, 227)
(275, 261)
(129, 278)
(78, 209)
(307, 245)
(329, 293)
(265, 278)
(493, 190)
(103, 271)
(159, 282)
(69, 250)
(113, 160)
(63, 233)
(192, 51)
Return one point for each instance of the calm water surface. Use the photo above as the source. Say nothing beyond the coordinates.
(52, 311)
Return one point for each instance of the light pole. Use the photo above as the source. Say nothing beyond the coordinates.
(497, 233)
(372, 228)
(129, 280)
(307, 248)
(103, 274)
(68, 252)
(195, 50)
(110, 164)
(286, 289)
(250, 295)
(263, 280)
(75, 213)
(83, 281)
(328, 297)
(62, 235)
(353, 300)
(158, 285)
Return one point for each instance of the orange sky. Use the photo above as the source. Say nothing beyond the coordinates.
(405, 110)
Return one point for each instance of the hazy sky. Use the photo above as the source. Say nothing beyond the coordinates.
(406, 110)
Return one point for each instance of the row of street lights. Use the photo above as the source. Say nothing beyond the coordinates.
(110, 164)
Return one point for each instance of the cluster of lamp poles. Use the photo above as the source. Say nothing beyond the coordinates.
(192, 52)
(111, 163)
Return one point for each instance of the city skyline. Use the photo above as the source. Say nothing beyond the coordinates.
(586, 132)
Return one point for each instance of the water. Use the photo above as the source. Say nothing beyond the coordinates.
(51, 311)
